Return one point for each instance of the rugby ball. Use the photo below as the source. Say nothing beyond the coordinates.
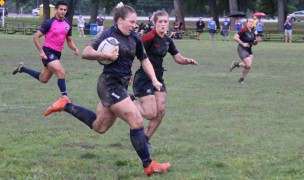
(108, 45)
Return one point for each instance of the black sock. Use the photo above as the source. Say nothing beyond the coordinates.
(241, 79)
(238, 64)
(84, 115)
(138, 140)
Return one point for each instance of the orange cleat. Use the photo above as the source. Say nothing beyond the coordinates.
(156, 168)
(57, 106)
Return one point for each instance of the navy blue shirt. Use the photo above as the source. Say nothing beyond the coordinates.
(129, 47)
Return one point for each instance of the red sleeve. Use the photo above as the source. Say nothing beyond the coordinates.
(242, 31)
(149, 36)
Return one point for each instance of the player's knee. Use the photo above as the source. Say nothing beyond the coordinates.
(43, 81)
(150, 114)
(100, 131)
(248, 66)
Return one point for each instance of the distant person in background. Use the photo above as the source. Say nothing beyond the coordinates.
(100, 22)
(200, 25)
(259, 29)
(175, 33)
(150, 25)
(288, 30)
(238, 25)
(225, 28)
(245, 38)
(80, 25)
(255, 22)
(212, 29)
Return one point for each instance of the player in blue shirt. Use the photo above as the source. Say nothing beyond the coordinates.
(113, 82)
(212, 29)
(288, 30)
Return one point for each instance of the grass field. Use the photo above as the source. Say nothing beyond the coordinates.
(214, 128)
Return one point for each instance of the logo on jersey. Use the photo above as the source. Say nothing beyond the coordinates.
(115, 95)
(66, 28)
(51, 56)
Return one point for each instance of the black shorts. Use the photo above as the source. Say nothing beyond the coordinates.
(212, 31)
(112, 89)
(244, 52)
(51, 54)
(142, 84)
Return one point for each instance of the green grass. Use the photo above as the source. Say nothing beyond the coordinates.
(214, 127)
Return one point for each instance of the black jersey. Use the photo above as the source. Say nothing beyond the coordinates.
(129, 47)
(157, 48)
(246, 35)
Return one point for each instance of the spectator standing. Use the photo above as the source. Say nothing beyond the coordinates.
(225, 28)
(200, 25)
(212, 29)
(238, 25)
(80, 25)
(288, 30)
(255, 22)
(100, 23)
(150, 24)
(259, 29)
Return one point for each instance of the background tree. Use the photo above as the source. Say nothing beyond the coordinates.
(214, 12)
(281, 15)
(94, 11)
(71, 10)
(179, 14)
(46, 9)
(233, 7)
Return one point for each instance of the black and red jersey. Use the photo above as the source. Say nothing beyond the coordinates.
(157, 48)
(246, 35)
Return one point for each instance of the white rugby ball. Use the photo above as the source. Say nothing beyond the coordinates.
(108, 45)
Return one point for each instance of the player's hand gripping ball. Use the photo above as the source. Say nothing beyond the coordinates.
(108, 45)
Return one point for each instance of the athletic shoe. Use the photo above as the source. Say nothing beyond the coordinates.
(241, 81)
(57, 106)
(156, 168)
(18, 68)
(233, 65)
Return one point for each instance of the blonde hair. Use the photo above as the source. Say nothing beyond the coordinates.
(158, 13)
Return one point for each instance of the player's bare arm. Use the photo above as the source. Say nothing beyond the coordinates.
(179, 59)
(149, 70)
(90, 53)
(71, 45)
(37, 42)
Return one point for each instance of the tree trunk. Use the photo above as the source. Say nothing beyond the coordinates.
(71, 10)
(233, 7)
(179, 13)
(46, 9)
(281, 15)
(214, 12)
(94, 11)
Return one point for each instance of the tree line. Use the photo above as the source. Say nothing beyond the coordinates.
(177, 8)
